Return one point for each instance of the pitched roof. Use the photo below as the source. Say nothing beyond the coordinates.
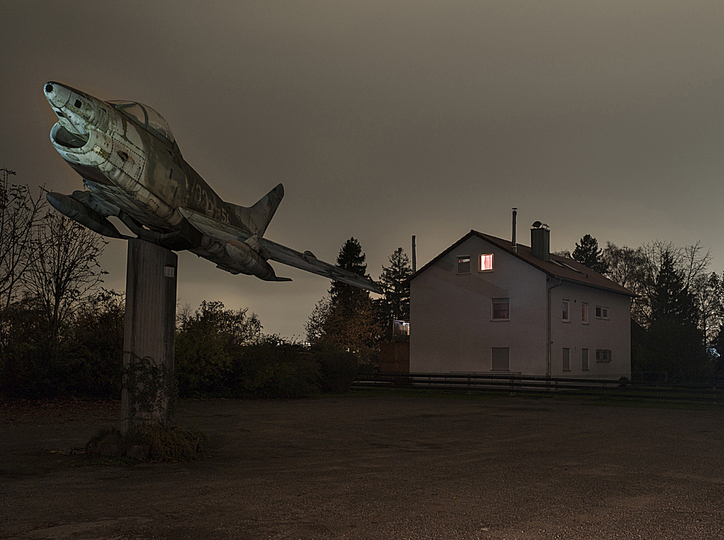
(557, 268)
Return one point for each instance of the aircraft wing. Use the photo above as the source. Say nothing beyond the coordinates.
(307, 261)
(267, 249)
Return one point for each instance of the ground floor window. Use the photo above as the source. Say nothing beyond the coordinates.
(584, 360)
(501, 359)
(603, 355)
(566, 359)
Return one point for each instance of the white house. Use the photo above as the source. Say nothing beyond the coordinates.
(487, 305)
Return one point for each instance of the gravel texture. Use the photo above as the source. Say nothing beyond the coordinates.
(374, 467)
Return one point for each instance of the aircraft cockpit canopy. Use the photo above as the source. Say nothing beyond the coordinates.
(147, 117)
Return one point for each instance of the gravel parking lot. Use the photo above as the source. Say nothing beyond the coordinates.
(374, 467)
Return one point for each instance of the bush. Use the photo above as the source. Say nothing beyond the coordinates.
(338, 369)
(208, 342)
(85, 360)
(275, 369)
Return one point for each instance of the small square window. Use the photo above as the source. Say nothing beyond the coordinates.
(565, 312)
(486, 262)
(464, 264)
(601, 312)
(501, 309)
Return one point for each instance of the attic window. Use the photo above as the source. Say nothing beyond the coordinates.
(486, 262)
(463, 264)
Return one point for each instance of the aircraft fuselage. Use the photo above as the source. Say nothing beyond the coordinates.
(133, 170)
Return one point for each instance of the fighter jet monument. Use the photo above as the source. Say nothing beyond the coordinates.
(133, 170)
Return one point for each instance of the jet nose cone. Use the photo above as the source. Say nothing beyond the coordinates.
(56, 94)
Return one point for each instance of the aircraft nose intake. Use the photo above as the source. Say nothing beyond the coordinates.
(56, 94)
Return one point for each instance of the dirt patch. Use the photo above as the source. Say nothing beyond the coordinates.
(373, 467)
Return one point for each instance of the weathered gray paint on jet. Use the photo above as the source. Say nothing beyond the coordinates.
(133, 170)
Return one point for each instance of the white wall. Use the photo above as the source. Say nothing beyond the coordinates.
(613, 333)
(450, 315)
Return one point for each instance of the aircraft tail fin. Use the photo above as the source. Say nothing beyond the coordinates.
(256, 218)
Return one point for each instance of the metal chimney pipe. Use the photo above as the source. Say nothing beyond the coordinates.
(515, 230)
(414, 254)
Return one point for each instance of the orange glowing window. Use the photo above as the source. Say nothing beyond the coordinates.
(486, 262)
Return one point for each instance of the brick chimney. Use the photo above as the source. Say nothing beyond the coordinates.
(540, 241)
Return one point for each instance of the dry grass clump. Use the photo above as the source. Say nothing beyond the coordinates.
(150, 442)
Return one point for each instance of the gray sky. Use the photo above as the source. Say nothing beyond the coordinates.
(385, 119)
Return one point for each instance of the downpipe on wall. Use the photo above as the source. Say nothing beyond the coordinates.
(550, 342)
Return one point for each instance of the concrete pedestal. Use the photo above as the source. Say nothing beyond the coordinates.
(148, 347)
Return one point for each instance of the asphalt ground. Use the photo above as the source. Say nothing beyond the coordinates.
(374, 467)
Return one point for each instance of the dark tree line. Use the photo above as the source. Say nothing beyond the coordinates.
(677, 332)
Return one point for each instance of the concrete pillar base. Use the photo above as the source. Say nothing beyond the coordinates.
(148, 347)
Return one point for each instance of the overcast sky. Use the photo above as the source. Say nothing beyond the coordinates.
(387, 119)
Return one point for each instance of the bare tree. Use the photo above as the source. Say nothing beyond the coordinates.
(637, 270)
(708, 291)
(630, 268)
(65, 269)
(20, 213)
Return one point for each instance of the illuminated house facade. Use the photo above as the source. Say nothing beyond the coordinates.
(486, 305)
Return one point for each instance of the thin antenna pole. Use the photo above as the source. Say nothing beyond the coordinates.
(414, 254)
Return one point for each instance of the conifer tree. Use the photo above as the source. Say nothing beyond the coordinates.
(346, 319)
(395, 304)
(589, 254)
(675, 343)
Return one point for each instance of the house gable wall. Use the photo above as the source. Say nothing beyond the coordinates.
(451, 314)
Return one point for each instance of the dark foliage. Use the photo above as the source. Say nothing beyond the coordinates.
(84, 362)
(675, 343)
(274, 369)
(589, 254)
(338, 369)
(347, 318)
(207, 344)
(395, 303)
